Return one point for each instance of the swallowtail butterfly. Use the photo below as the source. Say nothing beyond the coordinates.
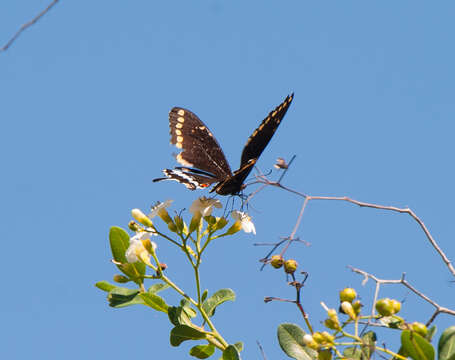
(202, 158)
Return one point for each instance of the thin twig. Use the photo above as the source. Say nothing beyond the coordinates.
(287, 168)
(262, 179)
(27, 25)
(262, 350)
(439, 309)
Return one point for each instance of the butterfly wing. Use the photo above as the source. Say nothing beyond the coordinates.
(200, 149)
(257, 142)
(234, 184)
(253, 149)
(191, 180)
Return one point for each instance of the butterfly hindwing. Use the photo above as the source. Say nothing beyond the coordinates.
(190, 180)
(200, 149)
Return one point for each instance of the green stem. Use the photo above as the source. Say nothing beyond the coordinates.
(356, 338)
(390, 353)
(209, 239)
(168, 281)
(168, 238)
(216, 334)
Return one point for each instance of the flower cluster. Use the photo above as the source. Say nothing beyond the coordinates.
(141, 247)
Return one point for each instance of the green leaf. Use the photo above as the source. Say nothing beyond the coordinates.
(446, 345)
(204, 295)
(156, 288)
(105, 286)
(178, 315)
(231, 353)
(290, 337)
(181, 333)
(202, 351)
(430, 333)
(369, 344)
(121, 297)
(155, 302)
(186, 305)
(416, 346)
(216, 299)
(353, 352)
(120, 240)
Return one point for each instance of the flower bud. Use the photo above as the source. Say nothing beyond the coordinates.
(309, 341)
(195, 221)
(178, 221)
(221, 223)
(141, 218)
(121, 279)
(236, 227)
(159, 271)
(290, 266)
(384, 307)
(317, 336)
(277, 261)
(396, 306)
(133, 226)
(325, 355)
(357, 306)
(328, 339)
(419, 328)
(163, 214)
(210, 219)
(332, 314)
(347, 294)
(332, 324)
(172, 227)
(347, 308)
(150, 246)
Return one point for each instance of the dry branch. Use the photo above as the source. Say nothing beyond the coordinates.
(27, 25)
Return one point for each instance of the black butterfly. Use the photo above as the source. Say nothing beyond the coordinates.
(202, 158)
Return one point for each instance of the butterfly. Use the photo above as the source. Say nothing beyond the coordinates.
(203, 160)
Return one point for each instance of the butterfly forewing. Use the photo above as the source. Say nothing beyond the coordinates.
(200, 149)
(253, 149)
(261, 136)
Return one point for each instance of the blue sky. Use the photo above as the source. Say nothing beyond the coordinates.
(84, 130)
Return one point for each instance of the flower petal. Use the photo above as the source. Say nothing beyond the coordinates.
(159, 206)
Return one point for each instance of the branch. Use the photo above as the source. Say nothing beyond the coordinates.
(439, 309)
(27, 25)
(262, 179)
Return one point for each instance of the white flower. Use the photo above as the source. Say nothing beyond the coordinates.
(159, 206)
(244, 218)
(137, 248)
(204, 206)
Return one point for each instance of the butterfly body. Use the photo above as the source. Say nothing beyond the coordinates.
(203, 160)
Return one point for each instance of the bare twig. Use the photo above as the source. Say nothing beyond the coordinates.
(27, 25)
(439, 309)
(263, 180)
(262, 350)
